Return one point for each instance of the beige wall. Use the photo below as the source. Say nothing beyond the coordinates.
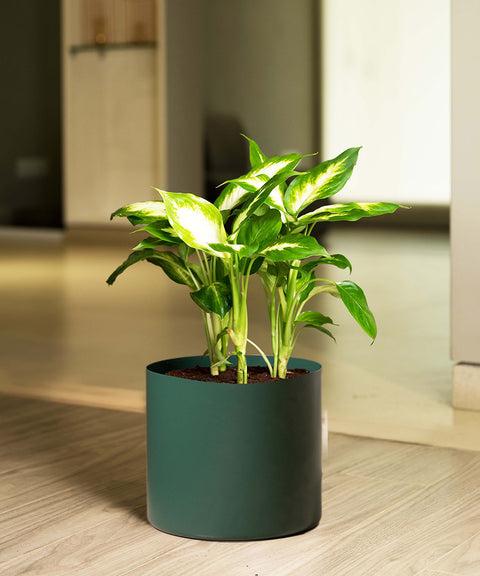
(386, 87)
(465, 228)
(132, 118)
(109, 129)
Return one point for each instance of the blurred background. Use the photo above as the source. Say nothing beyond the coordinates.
(104, 99)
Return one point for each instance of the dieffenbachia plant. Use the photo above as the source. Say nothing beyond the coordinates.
(269, 233)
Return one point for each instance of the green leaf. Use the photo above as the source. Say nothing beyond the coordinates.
(185, 251)
(169, 262)
(275, 200)
(314, 318)
(321, 329)
(323, 181)
(233, 194)
(350, 212)
(293, 247)
(356, 303)
(257, 264)
(195, 220)
(260, 230)
(228, 248)
(151, 243)
(173, 267)
(162, 230)
(132, 259)
(254, 202)
(305, 289)
(257, 157)
(143, 211)
(216, 298)
(338, 260)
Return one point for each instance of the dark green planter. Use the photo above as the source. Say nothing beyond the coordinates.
(233, 461)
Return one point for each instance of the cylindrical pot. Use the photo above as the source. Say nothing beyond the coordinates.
(233, 461)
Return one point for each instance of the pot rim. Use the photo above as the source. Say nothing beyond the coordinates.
(161, 366)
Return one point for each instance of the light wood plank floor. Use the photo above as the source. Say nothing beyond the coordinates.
(72, 494)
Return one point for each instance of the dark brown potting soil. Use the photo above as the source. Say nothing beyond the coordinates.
(255, 374)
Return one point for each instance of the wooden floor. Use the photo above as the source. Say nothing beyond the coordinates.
(72, 492)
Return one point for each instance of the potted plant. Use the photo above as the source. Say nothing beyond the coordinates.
(241, 460)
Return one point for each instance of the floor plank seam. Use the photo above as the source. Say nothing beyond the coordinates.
(400, 482)
(452, 551)
(57, 541)
(181, 546)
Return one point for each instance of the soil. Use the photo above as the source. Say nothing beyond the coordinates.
(255, 374)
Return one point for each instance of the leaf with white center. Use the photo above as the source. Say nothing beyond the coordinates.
(275, 200)
(216, 298)
(234, 193)
(171, 264)
(356, 303)
(256, 201)
(257, 157)
(195, 220)
(293, 247)
(323, 181)
(350, 212)
(228, 248)
(142, 211)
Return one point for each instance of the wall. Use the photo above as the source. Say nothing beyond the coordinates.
(465, 231)
(30, 147)
(182, 84)
(132, 118)
(109, 129)
(387, 88)
(258, 67)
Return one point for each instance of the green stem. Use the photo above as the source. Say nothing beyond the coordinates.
(239, 287)
(287, 319)
(210, 335)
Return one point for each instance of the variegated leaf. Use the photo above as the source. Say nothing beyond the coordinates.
(195, 220)
(143, 211)
(233, 194)
(256, 201)
(293, 247)
(215, 297)
(257, 157)
(151, 242)
(351, 211)
(323, 181)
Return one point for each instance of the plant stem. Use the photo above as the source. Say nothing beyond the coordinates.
(287, 319)
(239, 315)
(210, 336)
